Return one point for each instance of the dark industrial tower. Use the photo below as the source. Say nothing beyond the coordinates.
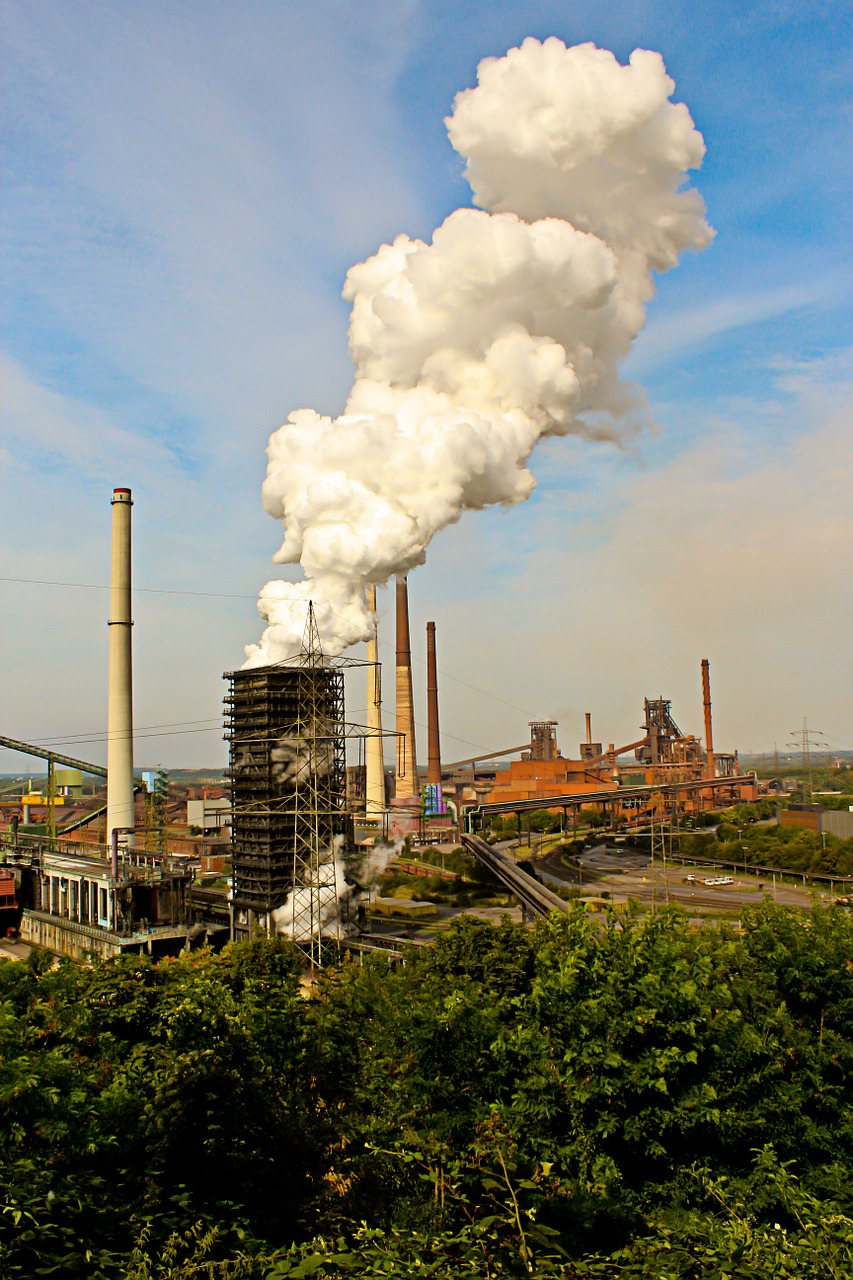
(288, 791)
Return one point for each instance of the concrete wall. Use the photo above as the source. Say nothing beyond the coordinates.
(78, 895)
(804, 819)
(838, 822)
(68, 937)
(209, 813)
(79, 941)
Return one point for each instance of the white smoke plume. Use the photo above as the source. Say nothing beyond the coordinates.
(315, 909)
(510, 326)
(299, 758)
(371, 867)
(326, 907)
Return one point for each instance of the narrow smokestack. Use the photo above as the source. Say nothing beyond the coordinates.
(589, 726)
(434, 757)
(709, 736)
(375, 781)
(407, 771)
(120, 695)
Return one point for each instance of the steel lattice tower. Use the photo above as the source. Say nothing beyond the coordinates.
(318, 798)
(285, 724)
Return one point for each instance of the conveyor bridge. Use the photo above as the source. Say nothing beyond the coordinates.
(532, 895)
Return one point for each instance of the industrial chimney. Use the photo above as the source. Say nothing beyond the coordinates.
(374, 789)
(120, 695)
(590, 750)
(406, 786)
(709, 737)
(434, 748)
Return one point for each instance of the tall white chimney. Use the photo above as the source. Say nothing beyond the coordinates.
(375, 770)
(120, 697)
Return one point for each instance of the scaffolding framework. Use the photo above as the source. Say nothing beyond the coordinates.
(157, 814)
(285, 726)
(320, 833)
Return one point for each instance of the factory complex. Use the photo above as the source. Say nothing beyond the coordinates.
(102, 862)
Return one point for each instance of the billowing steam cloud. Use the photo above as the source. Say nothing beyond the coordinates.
(315, 909)
(328, 906)
(511, 325)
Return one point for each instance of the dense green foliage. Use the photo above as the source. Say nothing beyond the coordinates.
(821, 783)
(750, 835)
(537, 821)
(647, 1100)
(787, 848)
(474, 884)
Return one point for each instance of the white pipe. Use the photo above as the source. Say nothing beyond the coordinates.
(375, 769)
(120, 695)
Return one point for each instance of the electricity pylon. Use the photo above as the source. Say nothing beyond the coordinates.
(805, 739)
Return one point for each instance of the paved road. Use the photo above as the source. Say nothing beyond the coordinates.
(629, 874)
(14, 950)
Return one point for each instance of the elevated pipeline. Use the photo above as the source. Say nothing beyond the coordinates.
(532, 895)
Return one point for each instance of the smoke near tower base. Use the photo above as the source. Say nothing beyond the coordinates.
(509, 326)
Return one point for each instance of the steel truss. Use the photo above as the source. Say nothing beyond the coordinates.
(290, 827)
(319, 796)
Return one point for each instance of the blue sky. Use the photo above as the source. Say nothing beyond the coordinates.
(186, 185)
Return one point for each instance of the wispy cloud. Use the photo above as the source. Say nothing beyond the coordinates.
(736, 549)
(45, 430)
(683, 328)
(178, 192)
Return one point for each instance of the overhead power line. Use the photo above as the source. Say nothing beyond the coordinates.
(96, 735)
(226, 595)
(150, 591)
